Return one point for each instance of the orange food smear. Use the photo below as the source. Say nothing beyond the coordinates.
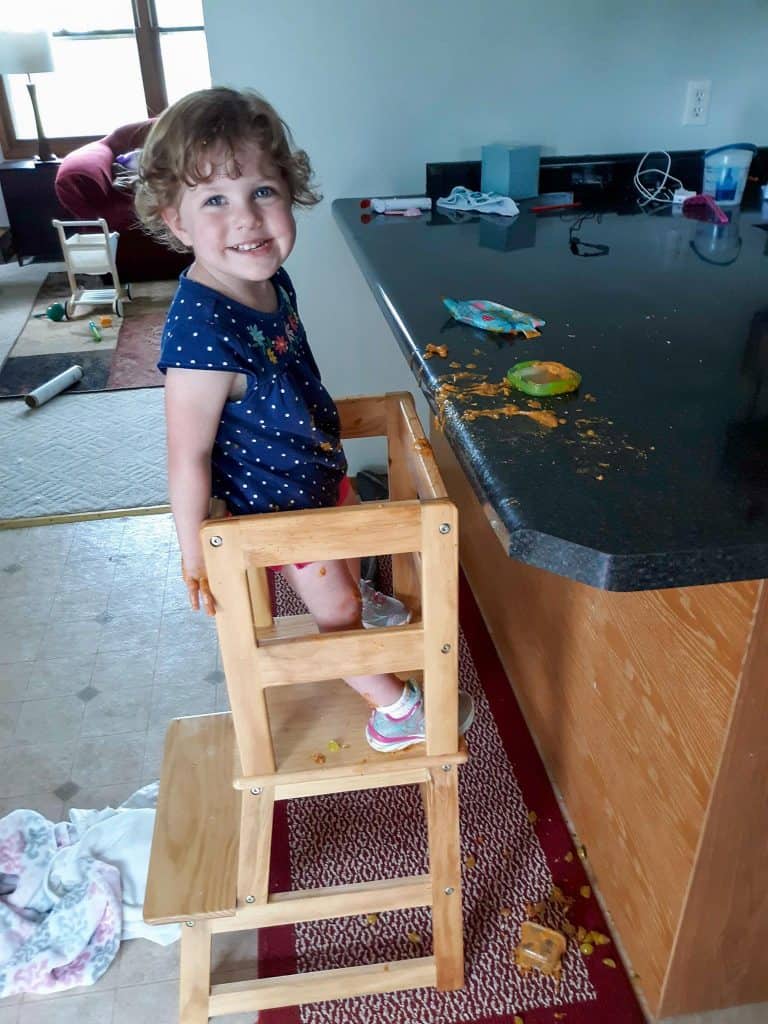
(436, 350)
(553, 369)
(544, 418)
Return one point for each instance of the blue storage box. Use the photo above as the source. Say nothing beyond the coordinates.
(511, 170)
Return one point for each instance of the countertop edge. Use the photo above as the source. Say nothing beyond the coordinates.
(602, 570)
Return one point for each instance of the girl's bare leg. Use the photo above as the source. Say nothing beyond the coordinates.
(332, 596)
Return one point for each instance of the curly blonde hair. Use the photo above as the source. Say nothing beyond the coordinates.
(177, 150)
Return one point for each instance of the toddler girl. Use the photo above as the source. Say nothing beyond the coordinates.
(248, 419)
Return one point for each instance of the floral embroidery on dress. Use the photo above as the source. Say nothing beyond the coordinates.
(285, 343)
(292, 328)
(257, 336)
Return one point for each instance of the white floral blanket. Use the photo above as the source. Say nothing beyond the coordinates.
(69, 892)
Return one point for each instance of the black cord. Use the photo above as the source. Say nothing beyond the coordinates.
(576, 245)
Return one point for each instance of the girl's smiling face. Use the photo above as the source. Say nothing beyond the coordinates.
(241, 230)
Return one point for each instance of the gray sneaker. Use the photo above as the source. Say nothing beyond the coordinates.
(386, 733)
(379, 610)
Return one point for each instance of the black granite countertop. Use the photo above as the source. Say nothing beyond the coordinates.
(659, 475)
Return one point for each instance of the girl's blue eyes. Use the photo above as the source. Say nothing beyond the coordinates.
(264, 192)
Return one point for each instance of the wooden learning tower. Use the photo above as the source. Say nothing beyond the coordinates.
(222, 773)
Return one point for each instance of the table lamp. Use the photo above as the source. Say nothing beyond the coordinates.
(27, 53)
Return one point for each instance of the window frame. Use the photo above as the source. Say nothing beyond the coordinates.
(147, 33)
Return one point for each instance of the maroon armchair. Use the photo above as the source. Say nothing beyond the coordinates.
(84, 188)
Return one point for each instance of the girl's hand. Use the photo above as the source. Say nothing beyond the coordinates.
(197, 588)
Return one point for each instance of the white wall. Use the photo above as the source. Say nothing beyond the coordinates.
(373, 91)
(3, 211)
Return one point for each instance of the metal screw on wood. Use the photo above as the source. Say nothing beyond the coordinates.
(216, 541)
(446, 648)
(449, 890)
(445, 527)
(190, 924)
(445, 767)
(257, 791)
(250, 899)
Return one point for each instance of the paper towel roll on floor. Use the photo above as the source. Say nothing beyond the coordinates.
(54, 387)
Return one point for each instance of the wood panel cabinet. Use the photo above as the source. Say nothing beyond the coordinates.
(649, 710)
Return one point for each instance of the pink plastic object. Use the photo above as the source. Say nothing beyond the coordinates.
(698, 205)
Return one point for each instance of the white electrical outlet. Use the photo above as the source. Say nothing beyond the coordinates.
(696, 109)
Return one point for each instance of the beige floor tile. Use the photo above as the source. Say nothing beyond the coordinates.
(128, 636)
(100, 533)
(235, 952)
(88, 1008)
(23, 643)
(22, 580)
(56, 677)
(153, 754)
(156, 1003)
(34, 607)
(40, 719)
(98, 572)
(134, 600)
(9, 716)
(754, 1013)
(147, 526)
(35, 771)
(91, 558)
(197, 699)
(120, 669)
(186, 626)
(143, 544)
(186, 666)
(14, 679)
(235, 1018)
(99, 797)
(168, 651)
(45, 803)
(145, 962)
(141, 568)
(106, 761)
(80, 602)
(175, 598)
(64, 638)
(117, 711)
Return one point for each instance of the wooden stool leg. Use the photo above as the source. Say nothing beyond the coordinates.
(195, 982)
(441, 803)
(256, 815)
(405, 581)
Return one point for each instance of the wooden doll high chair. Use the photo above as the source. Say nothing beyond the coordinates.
(222, 773)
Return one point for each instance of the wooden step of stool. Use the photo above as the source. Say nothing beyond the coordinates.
(193, 870)
(193, 865)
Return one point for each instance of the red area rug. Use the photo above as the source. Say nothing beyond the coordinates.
(515, 847)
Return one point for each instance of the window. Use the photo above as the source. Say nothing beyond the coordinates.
(115, 61)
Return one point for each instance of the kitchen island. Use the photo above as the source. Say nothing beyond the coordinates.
(619, 556)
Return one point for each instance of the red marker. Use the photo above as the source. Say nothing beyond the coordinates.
(555, 206)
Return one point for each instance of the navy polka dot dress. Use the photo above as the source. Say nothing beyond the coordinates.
(277, 447)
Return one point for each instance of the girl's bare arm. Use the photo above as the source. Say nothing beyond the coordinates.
(194, 400)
